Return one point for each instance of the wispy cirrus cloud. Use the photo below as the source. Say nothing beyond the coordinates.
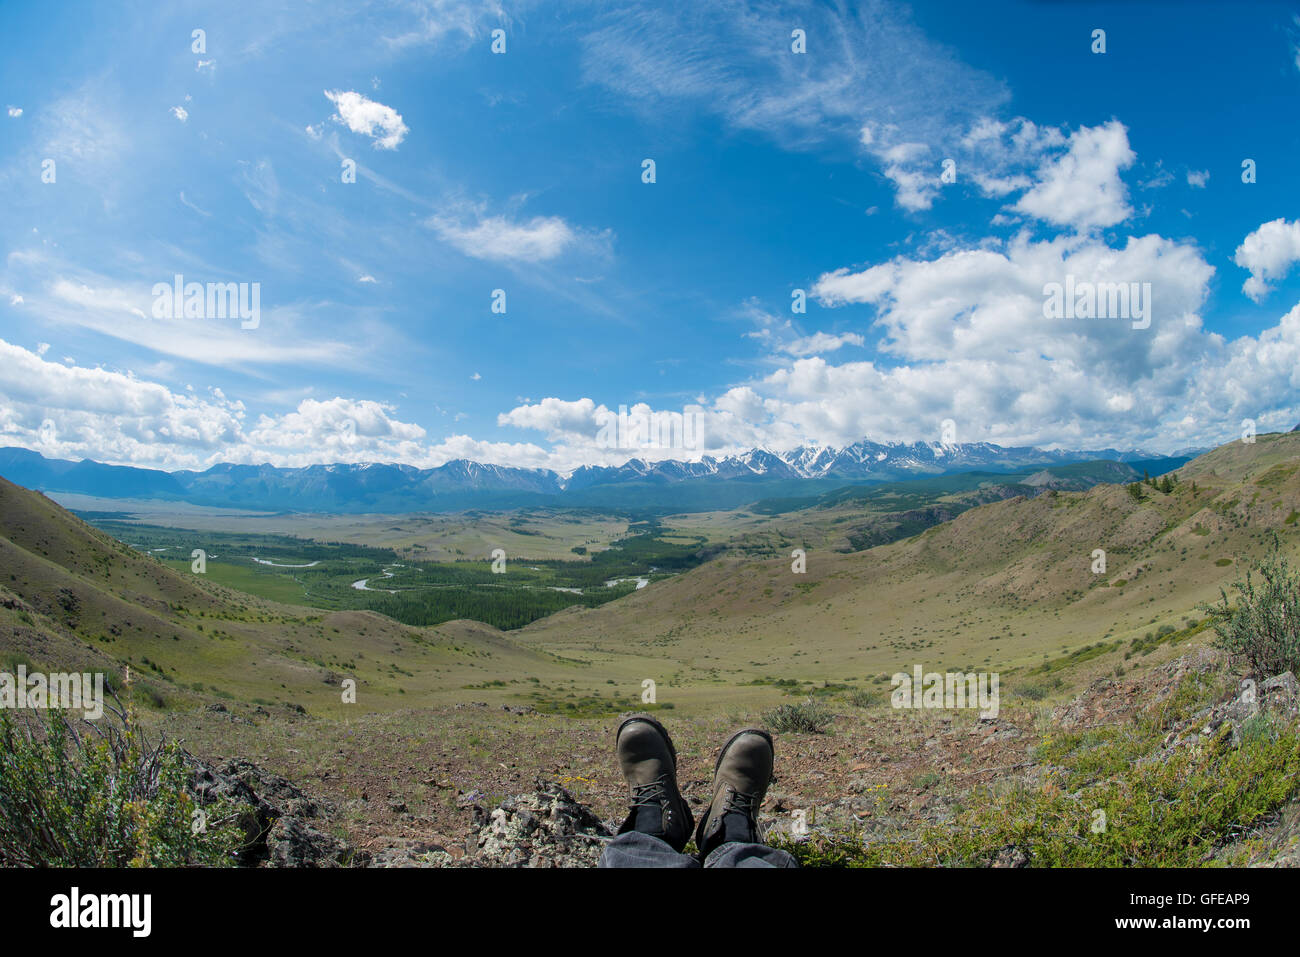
(868, 67)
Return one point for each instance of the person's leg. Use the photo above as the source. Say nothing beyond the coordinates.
(728, 834)
(736, 854)
(658, 823)
(635, 849)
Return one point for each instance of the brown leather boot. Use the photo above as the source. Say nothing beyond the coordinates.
(649, 763)
(740, 781)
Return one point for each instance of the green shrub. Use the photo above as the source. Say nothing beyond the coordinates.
(862, 698)
(1174, 812)
(810, 717)
(99, 795)
(1263, 629)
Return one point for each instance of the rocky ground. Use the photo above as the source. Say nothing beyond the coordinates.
(512, 788)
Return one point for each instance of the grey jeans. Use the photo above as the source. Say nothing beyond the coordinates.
(635, 849)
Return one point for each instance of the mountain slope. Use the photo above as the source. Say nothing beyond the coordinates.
(71, 598)
(1003, 585)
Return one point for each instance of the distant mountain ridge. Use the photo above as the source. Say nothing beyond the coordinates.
(461, 484)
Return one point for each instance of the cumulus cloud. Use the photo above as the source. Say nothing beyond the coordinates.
(109, 416)
(989, 360)
(968, 338)
(15, 111)
(1198, 178)
(70, 411)
(381, 123)
(557, 418)
(1082, 189)
(1268, 252)
(180, 113)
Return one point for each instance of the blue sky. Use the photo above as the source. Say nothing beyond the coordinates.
(522, 171)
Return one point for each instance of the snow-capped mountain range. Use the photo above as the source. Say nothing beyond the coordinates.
(460, 484)
(860, 461)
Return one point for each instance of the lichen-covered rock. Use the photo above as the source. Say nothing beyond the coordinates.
(1275, 700)
(546, 827)
(292, 842)
(276, 828)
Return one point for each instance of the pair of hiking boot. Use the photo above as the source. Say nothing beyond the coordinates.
(740, 778)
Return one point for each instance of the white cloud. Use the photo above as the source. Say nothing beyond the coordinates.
(499, 239)
(555, 417)
(1159, 178)
(875, 81)
(1268, 252)
(781, 336)
(1082, 189)
(871, 80)
(436, 19)
(118, 418)
(186, 202)
(821, 342)
(968, 340)
(367, 278)
(15, 111)
(180, 113)
(381, 123)
(1198, 178)
(15, 300)
(126, 313)
(109, 416)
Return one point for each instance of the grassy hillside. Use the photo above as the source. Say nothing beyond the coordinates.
(72, 597)
(1005, 586)
(1008, 586)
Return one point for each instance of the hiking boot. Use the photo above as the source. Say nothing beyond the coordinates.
(740, 780)
(649, 763)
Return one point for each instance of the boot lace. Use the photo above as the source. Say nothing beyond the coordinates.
(740, 803)
(652, 794)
